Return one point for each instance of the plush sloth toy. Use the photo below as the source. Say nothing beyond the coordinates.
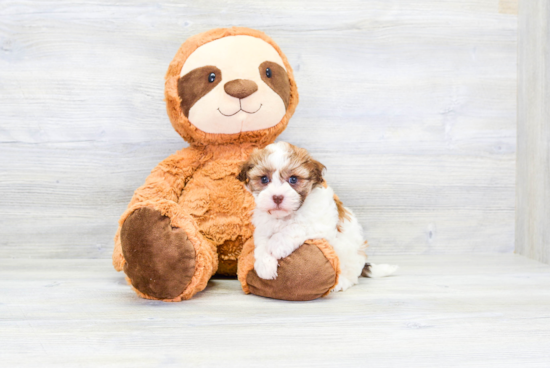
(228, 91)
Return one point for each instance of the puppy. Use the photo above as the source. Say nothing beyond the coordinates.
(294, 204)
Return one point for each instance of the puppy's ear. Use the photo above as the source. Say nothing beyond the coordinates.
(243, 174)
(317, 170)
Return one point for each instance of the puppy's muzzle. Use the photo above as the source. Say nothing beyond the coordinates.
(278, 199)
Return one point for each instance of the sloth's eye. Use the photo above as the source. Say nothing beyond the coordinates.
(268, 72)
(212, 77)
(265, 179)
(293, 180)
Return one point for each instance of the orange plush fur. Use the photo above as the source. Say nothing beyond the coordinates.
(216, 221)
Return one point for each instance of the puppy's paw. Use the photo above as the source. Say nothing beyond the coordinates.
(266, 267)
(343, 284)
(279, 253)
(279, 246)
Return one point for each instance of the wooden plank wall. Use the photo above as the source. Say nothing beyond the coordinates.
(533, 159)
(410, 104)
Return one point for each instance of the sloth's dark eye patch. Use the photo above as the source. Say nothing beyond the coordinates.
(196, 84)
(276, 78)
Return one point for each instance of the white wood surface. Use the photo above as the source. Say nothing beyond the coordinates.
(410, 104)
(533, 160)
(438, 311)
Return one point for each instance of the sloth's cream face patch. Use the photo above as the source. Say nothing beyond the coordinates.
(234, 84)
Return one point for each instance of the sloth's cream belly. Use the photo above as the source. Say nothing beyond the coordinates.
(221, 207)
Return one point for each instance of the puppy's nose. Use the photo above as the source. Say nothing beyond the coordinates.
(240, 88)
(278, 199)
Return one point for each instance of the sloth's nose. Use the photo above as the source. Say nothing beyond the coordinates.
(240, 88)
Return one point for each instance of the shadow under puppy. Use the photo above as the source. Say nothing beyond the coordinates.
(294, 204)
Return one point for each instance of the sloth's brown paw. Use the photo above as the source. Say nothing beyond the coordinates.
(305, 274)
(160, 260)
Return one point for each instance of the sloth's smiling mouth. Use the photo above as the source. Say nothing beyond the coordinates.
(239, 110)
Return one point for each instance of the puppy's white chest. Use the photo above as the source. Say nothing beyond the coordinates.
(273, 227)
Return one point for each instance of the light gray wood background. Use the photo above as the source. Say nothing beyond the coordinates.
(410, 104)
(439, 311)
(533, 157)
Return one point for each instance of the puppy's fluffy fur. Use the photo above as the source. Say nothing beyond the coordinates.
(294, 204)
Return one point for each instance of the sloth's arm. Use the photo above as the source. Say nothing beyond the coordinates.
(168, 179)
(161, 191)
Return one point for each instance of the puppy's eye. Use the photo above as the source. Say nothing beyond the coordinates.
(293, 180)
(211, 77)
(265, 179)
(268, 72)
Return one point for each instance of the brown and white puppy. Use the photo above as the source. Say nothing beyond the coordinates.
(294, 204)
(280, 177)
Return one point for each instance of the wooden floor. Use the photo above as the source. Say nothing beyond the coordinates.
(438, 311)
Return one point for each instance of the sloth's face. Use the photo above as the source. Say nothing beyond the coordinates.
(234, 84)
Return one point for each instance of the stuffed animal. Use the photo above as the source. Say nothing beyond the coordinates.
(228, 91)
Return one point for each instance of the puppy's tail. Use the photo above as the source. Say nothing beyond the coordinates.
(378, 270)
